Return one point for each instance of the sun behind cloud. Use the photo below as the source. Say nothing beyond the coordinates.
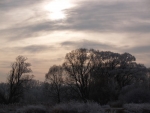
(56, 9)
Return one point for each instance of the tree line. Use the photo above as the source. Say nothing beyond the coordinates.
(86, 74)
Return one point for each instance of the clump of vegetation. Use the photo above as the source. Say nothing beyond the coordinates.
(137, 108)
(77, 107)
(33, 109)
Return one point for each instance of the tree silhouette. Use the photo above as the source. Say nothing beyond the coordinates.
(16, 80)
(79, 65)
(54, 78)
(102, 72)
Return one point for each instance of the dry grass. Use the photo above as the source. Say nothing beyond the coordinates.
(62, 111)
(78, 107)
(33, 109)
(137, 108)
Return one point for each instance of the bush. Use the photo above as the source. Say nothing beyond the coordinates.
(137, 108)
(116, 104)
(137, 95)
(33, 109)
(63, 111)
(78, 107)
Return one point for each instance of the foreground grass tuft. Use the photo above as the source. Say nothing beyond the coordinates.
(78, 107)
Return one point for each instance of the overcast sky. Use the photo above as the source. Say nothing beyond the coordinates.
(45, 30)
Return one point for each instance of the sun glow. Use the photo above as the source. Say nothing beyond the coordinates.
(56, 9)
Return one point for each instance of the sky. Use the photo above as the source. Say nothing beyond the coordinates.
(45, 30)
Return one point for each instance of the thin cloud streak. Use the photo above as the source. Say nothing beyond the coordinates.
(87, 44)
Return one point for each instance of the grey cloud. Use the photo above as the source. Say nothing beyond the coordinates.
(139, 49)
(88, 44)
(110, 17)
(105, 46)
(29, 49)
(141, 53)
(6, 5)
(27, 31)
(36, 48)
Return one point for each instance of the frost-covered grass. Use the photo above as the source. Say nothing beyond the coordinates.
(77, 107)
(33, 109)
(73, 107)
(137, 108)
(9, 108)
(70, 107)
(17, 108)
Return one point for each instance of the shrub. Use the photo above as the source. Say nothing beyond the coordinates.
(116, 104)
(62, 111)
(77, 107)
(33, 109)
(137, 95)
(137, 108)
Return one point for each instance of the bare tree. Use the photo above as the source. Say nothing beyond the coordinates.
(55, 79)
(115, 72)
(79, 66)
(103, 71)
(17, 78)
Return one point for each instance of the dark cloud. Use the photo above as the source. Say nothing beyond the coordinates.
(36, 48)
(106, 46)
(7, 5)
(139, 49)
(88, 44)
(27, 31)
(123, 16)
(29, 49)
